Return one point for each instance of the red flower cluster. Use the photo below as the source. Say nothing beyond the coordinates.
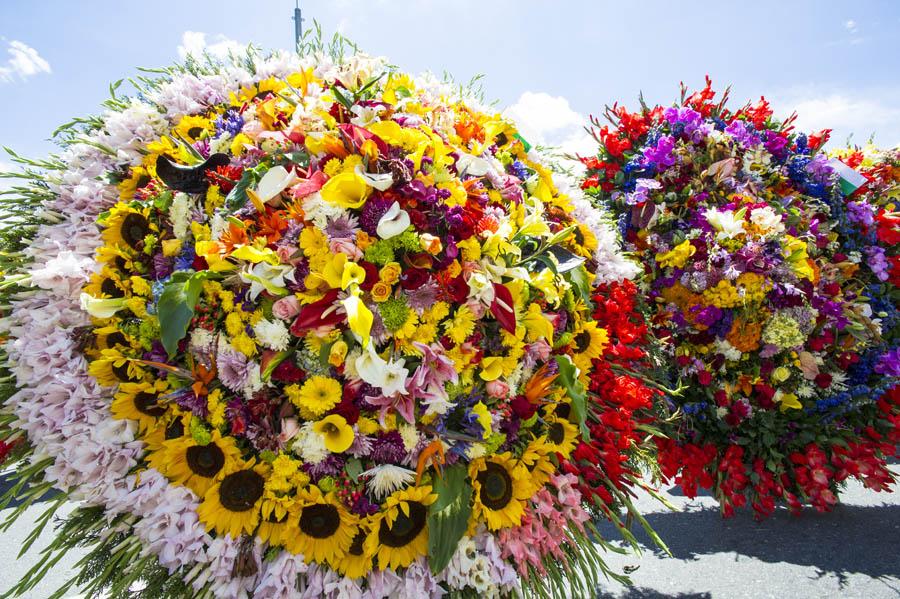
(617, 402)
(809, 476)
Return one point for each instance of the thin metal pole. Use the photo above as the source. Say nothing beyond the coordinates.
(298, 24)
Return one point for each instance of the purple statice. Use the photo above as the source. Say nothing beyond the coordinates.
(741, 134)
(707, 316)
(861, 213)
(889, 363)
(372, 212)
(642, 189)
(387, 448)
(231, 122)
(233, 367)
(660, 154)
(343, 227)
(877, 261)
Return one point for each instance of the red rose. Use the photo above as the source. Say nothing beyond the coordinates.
(371, 275)
(458, 289)
(704, 377)
(823, 380)
(413, 278)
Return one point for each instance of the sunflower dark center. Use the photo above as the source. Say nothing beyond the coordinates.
(195, 132)
(121, 372)
(241, 490)
(582, 341)
(121, 263)
(175, 429)
(563, 410)
(556, 433)
(205, 460)
(275, 519)
(134, 228)
(356, 547)
(145, 403)
(114, 339)
(405, 528)
(320, 520)
(496, 486)
(109, 287)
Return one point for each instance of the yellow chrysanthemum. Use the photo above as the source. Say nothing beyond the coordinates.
(317, 395)
(461, 325)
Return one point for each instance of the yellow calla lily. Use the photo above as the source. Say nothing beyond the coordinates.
(248, 253)
(491, 368)
(537, 325)
(337, 433)
(353, 274)
(789, 401)
(211, 251)
(484, 418)
(347, 190)
(359, 317)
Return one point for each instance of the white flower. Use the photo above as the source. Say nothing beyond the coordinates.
(387, 478)
(180, 215)
(310, 444)
(254, 381)
(380, 181)
(267, 277)
(731, 353)
(767, 220)
(276, 180)
(390, 377)
(394, 222)
(727, 223)
(102, 308)
(320, 212)
(474, 166)
(272, 334)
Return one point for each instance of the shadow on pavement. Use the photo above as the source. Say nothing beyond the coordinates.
(851, 539)
(8, 480)
(642, 593)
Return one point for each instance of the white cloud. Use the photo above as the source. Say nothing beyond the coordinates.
(218, 46)
(851, 26)
(550, 121)
(857, 113)
(24, 62)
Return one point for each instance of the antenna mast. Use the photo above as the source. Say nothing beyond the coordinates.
(298, 24)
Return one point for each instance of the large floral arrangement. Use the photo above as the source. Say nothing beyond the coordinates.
(308, 326)
(741, 227)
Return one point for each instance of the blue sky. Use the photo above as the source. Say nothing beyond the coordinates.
(552, 62)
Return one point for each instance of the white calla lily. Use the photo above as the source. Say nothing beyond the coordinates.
(276, 180)
(394, 222)
(380, 181)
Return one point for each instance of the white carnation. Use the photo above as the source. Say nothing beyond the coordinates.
(272, 334)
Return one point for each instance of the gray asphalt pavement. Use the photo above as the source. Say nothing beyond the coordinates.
(850, 553)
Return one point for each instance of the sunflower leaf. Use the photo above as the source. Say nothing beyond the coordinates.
(448, 517)
(568, 376)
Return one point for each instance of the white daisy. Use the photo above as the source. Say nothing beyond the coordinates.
(387, 478)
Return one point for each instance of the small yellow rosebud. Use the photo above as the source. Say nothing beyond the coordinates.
(381, 291)
(390, 273)
(338, 353)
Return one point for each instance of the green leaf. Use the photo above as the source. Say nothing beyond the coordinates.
(175, 308)
(353, 467)
(568, 376)
(237, 197)
(448, 517)
(578, 277)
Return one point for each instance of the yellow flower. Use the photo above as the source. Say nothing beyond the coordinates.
(337, 353)
(347, 190)
(430, 244)
(326, 528)
(390, 273)
(337, 433)
(500, 488)
(318, 394)
(462, 324)
(677, 256)
(491, 368)
(400, 531)
(234, 325)
(171, 247)
(788, 401)
(244, 344)
(232, 506)
(537, 325)
(484, 418)
(381, 291)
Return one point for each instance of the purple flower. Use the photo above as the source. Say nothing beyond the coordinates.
(234, 368)
(372, 212)
(660, 155)
(642, 189)
(878, 262)
(388, 448)
(743, 136)
(889, 364)
(861, 213)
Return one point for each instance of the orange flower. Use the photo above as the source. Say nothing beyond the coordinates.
(744, 336)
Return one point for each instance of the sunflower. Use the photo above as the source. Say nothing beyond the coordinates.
(326, 527)
(536, 459)
(232, 505)
(561, 436)
(260, 90)
(196, 466)
(399, 532)
(140, 402)
(107, 284)
(500, 487)
(128, 226)
(171, 425)
(278, 514)
(589, 341)
(193, 128)
(110, 337)
(113, 367)
(119, 257)
(358, 560)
